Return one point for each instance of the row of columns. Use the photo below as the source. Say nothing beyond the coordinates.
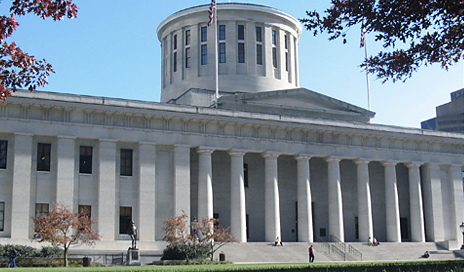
(336, 224)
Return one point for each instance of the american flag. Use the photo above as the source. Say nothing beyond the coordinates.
(363, 36)
(211, 12)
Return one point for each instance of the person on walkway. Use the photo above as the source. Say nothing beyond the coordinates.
(311, 254)
(277, 241)
(426, 254)
(369, 242)
(13, 254)
(375, 242)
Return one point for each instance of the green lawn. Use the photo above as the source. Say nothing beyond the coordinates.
(433, 266)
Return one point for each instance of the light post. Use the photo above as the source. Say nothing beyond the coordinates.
(462, 231)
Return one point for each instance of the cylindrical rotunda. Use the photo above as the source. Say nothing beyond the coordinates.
(257, 50)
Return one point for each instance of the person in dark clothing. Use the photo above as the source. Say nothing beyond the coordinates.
(13, 254)
(311, 254)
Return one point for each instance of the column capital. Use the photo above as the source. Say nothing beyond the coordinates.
(181, 146)
(237, 152)
(413, 164)
(146, 143)
(270, 154)
(24, 134)
(302, 156)
(205, 149)
(389, 163)
(108, 140)
(360, 161)
(333, 159)
(66, 137)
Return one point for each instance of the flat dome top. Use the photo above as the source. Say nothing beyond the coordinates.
(231, 6)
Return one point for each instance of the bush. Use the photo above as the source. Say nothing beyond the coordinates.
(51, 252)
(22, 251)
(174, 252)
(185, 251)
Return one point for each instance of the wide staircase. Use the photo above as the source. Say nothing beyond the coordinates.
(265, 252)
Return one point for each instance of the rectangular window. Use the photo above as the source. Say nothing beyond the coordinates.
(41, 208)
(175, 42)
(241, 53)
(286, 42)
(286, 61)
(259, 54)
(204, 54)
(187, 57)
(259, 34)
(2, 216)
(85, 160)
(85, 209)
(222, 32)
(274, 37)
(245, 174)
(274, 57)
(126, 162)
(43, 157)
(241, 32)
(3, 154)
(174, 64)
(125, 219)
(187, 37)
(204, 34)
(222, 53)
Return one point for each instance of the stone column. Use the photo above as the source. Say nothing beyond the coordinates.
(107, 206)
(415, 204)
(237, 196)
(455, 174)
(364, 201)
(433, 203)
(336, 227)
(147, 200)
(21, 192)
(66, 155)
(181, 179)
(271, 197)
(205, 184)
(305, 215)
(392, 207)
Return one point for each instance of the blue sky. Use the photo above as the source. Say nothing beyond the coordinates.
(111, 49)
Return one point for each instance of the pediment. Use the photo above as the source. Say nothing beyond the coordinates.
(299, 102)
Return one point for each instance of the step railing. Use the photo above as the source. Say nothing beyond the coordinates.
(346, 248)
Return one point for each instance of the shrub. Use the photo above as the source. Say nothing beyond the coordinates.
(51, 252)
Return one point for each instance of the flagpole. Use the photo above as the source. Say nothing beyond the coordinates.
(216, 72)
(367, 77)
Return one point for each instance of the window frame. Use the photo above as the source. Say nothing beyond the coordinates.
(187, 57)
(222, 32)
(44, 151)
(222, 52)
(85, 157)
(3, 154)
(2, 216)
(241, 52)
(187, 37)
(241, 32)
(125, 218)
(204, 34)
(126, 162)
(204, 54)
(259, 34)
(41, 208)
(259, 54)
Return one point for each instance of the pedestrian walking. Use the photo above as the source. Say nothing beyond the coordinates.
(13, 254)
(311, 254)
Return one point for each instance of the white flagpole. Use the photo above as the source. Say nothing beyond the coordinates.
(364, 44)
(216, 74)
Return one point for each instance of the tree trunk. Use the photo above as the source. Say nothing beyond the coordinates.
(65, 256)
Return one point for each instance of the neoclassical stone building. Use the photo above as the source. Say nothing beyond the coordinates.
(273, 159)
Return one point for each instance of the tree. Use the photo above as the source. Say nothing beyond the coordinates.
(17, 68)
(413, 33)
(195, 240)
(62, 227)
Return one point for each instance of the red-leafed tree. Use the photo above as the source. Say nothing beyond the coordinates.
(413, 32)
(18, 69)
(62, 227)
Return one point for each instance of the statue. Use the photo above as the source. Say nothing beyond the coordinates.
(132, 231)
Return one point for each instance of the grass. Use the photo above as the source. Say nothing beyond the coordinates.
(438, 266)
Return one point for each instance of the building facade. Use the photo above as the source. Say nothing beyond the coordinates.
(450, 116)
(272, 160)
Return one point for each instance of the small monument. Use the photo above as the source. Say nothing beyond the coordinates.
(133, 253)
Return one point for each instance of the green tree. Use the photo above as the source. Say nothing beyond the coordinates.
(412, 32)
(18, 69)
(64, 228)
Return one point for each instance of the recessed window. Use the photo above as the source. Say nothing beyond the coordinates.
(222, 32)
(41, 208)
(187, 57)
(245, 174)
(274, 57)
(175, 42)
(86, 210)
(241, 53)
(2, 216)
(204, 54)
(259, 54)
(274, 37)
(204, 34)
(222, 53)
(85, 160)
(126, 162)
(125, 219)
(286, 61)
(259, 34)
(43, 157)
(286, 42)
(174, 64)
(241, 32)
(3, 154)
(187, 37)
